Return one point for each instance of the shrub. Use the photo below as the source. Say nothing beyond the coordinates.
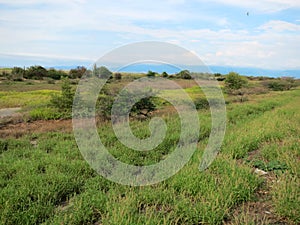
(164, 74)
(118, 76)
(151, 74)
(142, 107)
(234, 81)
(78, 72)
(17, 73)
(220, 78)
(184, 74)
(64, 102)
(36, 72)
(280, 84)
(201, 103)
(102, 72)
(56, 74)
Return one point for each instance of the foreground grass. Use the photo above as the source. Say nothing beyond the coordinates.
(45, 180)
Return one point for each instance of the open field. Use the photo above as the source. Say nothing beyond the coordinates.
(45, 180)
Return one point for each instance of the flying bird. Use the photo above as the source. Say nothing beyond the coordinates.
(247, 13)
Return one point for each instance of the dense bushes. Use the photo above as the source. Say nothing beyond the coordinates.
(140, 108)
(281, 84)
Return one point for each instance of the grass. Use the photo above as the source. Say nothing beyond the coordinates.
(29, 85)
(25, 99)
(45, 180)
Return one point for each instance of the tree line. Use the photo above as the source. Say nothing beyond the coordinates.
(39, 73)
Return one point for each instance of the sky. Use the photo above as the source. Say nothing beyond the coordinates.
(261, 34)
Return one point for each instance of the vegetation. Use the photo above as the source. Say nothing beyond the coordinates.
(141, 109)
(78, 72)
(45, 180)
(184, 74)
(151, 74)
(64, 102)
(234, 81)
(285, 83)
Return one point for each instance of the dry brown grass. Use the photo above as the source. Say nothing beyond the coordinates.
(20, 129)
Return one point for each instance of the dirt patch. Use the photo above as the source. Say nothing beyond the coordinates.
(20, 129)
(7, 112)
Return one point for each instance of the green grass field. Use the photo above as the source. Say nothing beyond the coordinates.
(45, 180)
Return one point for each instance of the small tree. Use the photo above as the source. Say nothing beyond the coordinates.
(184, 74)
(17, 73)
(78, 72)
(118, 76)
(164, 74)
(234, 81)
(56, 74)
(102, 72)
(151, 74)
(36, 72)
(64, 102)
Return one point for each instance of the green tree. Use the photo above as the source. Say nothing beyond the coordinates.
(164, 74)
(36, 72)
(234, 81)
(151, 74)
(102, 72)
(78, 72)
(184, 74)
(64, 102)
(56, 74)
(17, 73)
(118, 76)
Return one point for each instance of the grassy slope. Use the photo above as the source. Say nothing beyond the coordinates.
(50, 183)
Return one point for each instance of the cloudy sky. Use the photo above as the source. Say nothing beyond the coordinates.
(58, 32)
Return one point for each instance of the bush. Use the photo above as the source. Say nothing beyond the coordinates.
(220, 78)
(36, 72)
(141, 108)
(151, 74)
(78, 72)
(280, 84)
(102, 72)
(234, 81)
(164, 74)
(201, 103)
(64, 102)
(17, 73)
(184, 74)
(56, 74)
(118, 76)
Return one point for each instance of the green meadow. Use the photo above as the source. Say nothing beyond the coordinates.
(45, 180)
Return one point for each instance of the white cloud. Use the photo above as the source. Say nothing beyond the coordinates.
(262, 5)
(278, 25)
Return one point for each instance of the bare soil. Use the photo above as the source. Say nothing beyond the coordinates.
(18, 130)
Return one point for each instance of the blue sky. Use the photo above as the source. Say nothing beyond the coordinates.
(76, 32)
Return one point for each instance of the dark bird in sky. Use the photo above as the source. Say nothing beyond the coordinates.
(247, 13)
